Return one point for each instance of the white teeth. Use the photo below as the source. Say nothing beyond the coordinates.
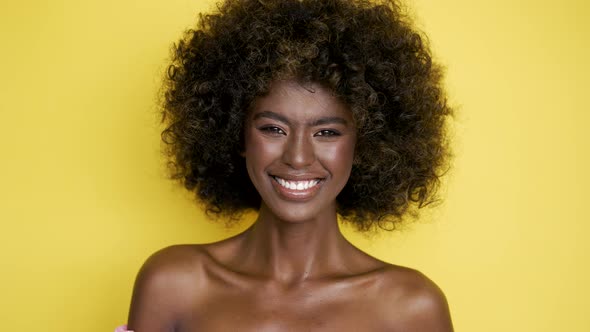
(297, 185)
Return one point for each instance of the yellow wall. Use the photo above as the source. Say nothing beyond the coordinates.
(83, 200)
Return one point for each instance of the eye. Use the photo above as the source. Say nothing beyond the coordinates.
(272, 130)
(327, 133)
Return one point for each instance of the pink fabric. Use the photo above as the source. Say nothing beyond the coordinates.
(122, 328)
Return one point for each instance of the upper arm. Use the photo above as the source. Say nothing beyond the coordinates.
(159, 293)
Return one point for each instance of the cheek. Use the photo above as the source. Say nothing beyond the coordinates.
(259, 152)
(339, 157)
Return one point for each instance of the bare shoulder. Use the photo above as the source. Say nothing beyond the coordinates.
(414, 302)
(165, 286)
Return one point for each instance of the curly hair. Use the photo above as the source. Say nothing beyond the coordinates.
(368, 53)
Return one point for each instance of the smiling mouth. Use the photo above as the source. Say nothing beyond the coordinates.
(297, 185)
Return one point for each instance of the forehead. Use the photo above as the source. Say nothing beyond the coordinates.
(300, 102)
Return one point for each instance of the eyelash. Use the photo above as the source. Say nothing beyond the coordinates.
(273, 130)
(278, 131)
(327, 133)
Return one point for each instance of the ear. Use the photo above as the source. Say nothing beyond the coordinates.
(242, 144)
(242, 149)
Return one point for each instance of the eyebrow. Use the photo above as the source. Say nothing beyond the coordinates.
(272, 115)
(317, 122)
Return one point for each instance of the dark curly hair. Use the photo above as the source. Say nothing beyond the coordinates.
(367, 53)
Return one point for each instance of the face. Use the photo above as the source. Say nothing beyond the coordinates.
(299, 148)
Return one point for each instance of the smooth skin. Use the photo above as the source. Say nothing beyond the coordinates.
(292, 270)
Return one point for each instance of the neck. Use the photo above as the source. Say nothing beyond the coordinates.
(292, 252)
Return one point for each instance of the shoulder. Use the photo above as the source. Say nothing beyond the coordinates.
(165, 286)
(413, 301)
(180, 256)
(174, 270)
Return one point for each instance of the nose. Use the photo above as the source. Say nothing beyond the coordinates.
(298, 151)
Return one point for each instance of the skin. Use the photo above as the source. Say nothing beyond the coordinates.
(292, 270)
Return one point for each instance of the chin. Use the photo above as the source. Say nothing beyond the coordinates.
(291, 213)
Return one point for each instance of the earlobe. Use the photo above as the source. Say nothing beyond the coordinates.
(241, 148)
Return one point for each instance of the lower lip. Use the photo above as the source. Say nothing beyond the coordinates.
(296, 195)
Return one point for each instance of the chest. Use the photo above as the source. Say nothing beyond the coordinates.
(305, 310)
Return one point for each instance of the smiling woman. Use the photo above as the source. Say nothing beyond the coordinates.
(301, 110)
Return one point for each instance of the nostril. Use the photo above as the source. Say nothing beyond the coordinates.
(299, 158)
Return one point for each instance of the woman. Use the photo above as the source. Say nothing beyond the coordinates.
(303, 110)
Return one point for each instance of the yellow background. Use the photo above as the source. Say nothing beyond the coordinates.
(83, 199)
